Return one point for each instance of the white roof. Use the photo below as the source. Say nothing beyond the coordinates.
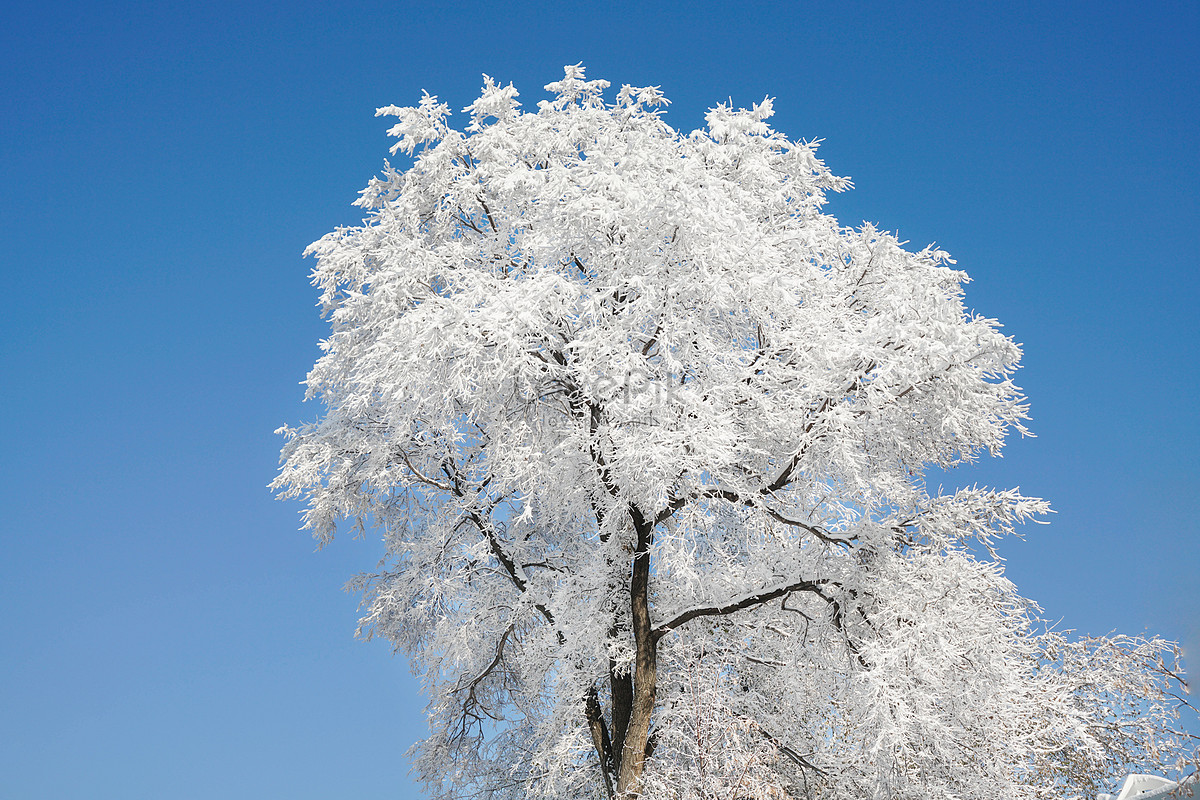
(1146, 787)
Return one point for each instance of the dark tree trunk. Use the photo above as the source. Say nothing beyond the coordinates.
(645, 667)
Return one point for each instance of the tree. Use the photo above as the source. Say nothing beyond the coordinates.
(645, 432)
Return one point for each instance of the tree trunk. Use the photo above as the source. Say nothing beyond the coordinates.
(621, 687)
(645, 672)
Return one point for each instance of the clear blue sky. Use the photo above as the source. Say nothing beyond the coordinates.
(164, 630)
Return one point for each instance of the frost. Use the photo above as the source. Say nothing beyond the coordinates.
(645, 432)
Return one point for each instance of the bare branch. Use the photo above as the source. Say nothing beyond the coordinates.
(750, 502)
(600, 737)
(471, 707)
(422, 477)
(742, 603)
(488, 212)
(792, 755)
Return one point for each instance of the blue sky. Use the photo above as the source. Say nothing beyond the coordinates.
(166, 632)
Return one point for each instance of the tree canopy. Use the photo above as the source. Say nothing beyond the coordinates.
(646, 433)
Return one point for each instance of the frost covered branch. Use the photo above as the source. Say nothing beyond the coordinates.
(742, 603)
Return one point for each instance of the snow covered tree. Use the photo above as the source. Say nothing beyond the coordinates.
(645, 432)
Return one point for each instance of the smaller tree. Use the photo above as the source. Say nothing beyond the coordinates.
(645, 432)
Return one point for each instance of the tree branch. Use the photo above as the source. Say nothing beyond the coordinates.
(742, 603)
(470, 705)
(792, 755)
(600, 738)
(515, 573)
(717, 493)
(488, 211)
(422, 477)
